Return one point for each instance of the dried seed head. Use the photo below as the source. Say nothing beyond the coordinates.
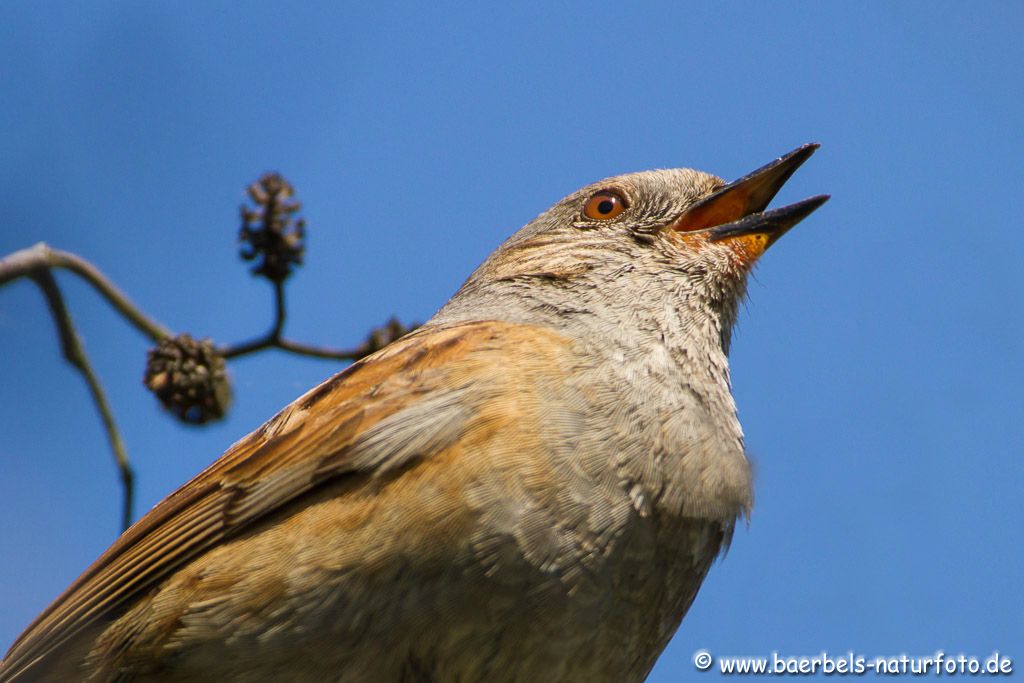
(381, 336)
(189, 378)
(271, 234)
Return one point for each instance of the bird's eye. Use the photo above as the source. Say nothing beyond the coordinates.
(604, 206)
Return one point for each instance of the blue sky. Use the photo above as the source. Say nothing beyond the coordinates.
(877, 364)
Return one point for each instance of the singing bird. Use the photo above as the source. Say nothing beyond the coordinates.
(529, 487)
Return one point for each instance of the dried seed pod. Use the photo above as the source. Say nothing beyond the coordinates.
(189, 378)
(381, 336)
(271, 234)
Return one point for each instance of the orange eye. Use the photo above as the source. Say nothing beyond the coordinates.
(604, 206)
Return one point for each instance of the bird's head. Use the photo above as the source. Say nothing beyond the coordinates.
(645, 241)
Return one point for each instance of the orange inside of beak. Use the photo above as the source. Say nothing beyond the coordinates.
(730, 207)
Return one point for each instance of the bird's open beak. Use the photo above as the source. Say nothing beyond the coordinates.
(738, 209)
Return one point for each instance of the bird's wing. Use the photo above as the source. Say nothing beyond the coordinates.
(389, 411)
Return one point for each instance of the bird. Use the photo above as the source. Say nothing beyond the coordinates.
(530, 486)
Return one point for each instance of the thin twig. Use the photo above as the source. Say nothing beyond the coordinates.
(274, 340)
(279, 310)
(40, 257)
(74, 353)
(270, 342)
(356, 353)
(271, 339)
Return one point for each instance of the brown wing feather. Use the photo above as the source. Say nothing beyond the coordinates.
(315, 439)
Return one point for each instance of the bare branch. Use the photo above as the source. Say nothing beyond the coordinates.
(74, 353)
(279, 309)
(42, 257)
(269, 342)
(356, 353)
(377, 339)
